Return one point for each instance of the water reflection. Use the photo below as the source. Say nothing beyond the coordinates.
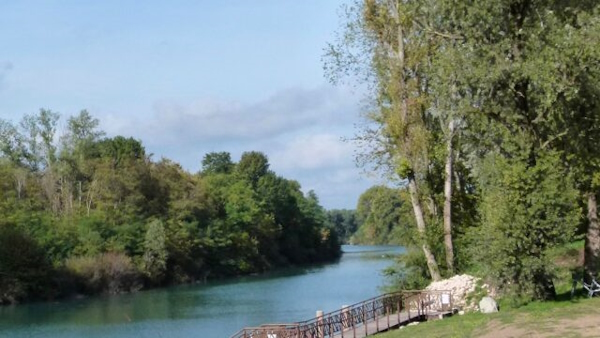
(216, 309)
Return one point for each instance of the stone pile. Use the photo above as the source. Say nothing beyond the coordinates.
(460, 286)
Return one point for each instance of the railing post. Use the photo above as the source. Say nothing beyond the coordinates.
(407, 306)
(387, 314)
(344, 318)
(364, 319)
(376, 317)
(399, 306)
(320, 331)
(353, 325)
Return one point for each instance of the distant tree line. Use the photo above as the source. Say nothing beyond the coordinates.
(85, 213)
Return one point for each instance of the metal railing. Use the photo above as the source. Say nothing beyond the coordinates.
(405, 306)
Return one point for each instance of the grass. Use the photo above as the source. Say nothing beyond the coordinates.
(538, 318)
(564, 317)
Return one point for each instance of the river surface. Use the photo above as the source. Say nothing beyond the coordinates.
(215, 309)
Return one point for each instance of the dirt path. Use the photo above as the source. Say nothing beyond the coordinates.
(582, 326)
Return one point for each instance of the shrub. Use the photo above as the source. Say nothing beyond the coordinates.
(110, 273)
(24, 269)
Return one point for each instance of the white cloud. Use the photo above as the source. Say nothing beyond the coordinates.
(285, 111)
(338, 188)
(313, 151)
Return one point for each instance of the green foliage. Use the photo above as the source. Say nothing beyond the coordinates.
(344, 222)
(475, 296)
(99, 216)
(385, 217)
(154, 260)
(217, 163)
(110, 273)
(526, 210)
(252, 166)
(509, 90)
(409, 273)
(24, 269)
(404, 170)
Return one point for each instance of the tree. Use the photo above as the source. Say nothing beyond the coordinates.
(525, 78)
(383, 216)
(533, 73)
(397, 51)
(77, 148)
(82, 133)
(155, 252)
(12, 144)
(217, 162)
(252, 166)
(344, 222)
(525, 211)
(24, 269)
(103, 213)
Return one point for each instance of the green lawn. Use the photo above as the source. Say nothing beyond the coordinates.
(548, 319)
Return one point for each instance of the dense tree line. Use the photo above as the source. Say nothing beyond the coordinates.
(384, 217)
(345, 223)
(85, 213)
(488, 113)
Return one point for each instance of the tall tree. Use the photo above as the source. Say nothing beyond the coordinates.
(533, 67)
(388, 32)
(252, 166)
(155, 255)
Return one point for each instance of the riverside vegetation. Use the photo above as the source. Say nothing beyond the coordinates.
(565, 316)
(486, 114)
(87, 214)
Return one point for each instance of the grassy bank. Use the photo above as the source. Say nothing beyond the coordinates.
(577, 318)
(565, 317)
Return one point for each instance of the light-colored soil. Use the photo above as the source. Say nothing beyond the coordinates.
(581, 326)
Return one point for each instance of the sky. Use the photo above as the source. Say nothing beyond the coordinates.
(192, 77)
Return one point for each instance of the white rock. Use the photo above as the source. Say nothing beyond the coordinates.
(488, 305)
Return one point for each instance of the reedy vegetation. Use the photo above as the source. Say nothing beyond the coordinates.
(90, 214)
(489, 111)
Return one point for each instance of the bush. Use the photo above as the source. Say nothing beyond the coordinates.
(24, 269)
(409, 273)
(526, 210)
(110, 273)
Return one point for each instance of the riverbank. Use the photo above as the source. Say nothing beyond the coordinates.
(215, 309)
(577, 318)
(562, 317)
(115, 274)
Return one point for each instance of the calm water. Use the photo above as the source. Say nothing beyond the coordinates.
(209, 310)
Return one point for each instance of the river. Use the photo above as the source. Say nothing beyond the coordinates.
(215, 309)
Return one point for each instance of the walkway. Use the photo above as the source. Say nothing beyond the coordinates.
(362, 319)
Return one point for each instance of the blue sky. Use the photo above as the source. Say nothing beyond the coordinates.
(190, 77)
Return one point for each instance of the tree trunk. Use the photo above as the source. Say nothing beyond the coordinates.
(592, 239)
(431, 262)
(448, 201)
